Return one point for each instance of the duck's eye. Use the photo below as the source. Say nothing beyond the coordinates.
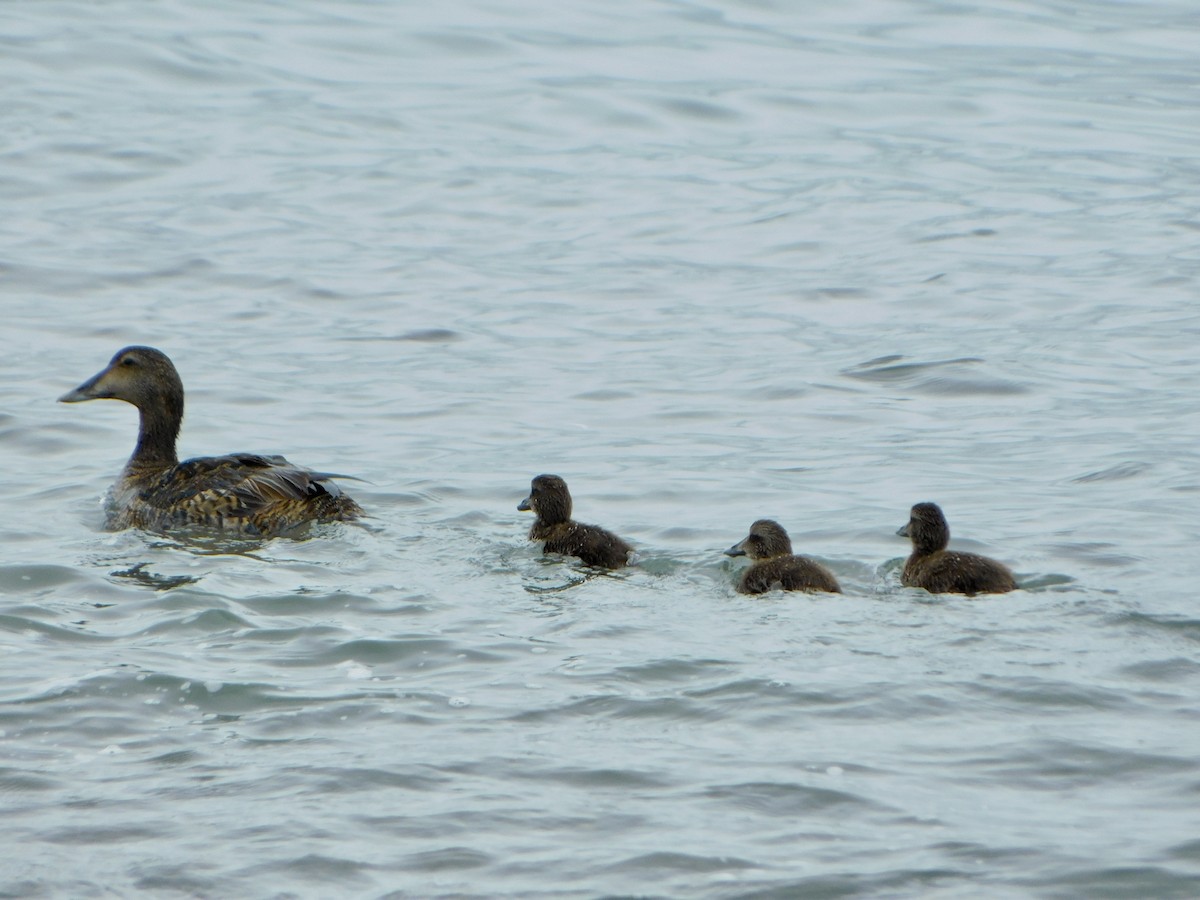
(129, 361)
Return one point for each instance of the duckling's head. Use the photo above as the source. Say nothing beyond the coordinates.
(766, 540)
(142, 376)
(549, 500)
(927, 528)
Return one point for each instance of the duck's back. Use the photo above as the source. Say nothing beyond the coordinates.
(789, 573)
(240, 492)
(952, 572)
(592, 544)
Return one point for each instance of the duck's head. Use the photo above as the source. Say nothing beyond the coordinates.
(766, 540)
(927, 528)
(142, 376)
(549, 499)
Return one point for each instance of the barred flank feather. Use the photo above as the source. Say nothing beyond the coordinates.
(241, 492)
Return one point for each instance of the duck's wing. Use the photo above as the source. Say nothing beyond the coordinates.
(247, 491)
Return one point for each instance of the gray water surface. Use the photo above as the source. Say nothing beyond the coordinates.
(709, 262)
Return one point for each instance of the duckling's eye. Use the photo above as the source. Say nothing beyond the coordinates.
(129, 361)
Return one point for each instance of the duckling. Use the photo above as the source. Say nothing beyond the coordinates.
(241, 492)
(550, 500)
(775, 566)
(941, 571)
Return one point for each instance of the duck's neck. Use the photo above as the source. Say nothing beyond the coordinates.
(541, 530)
(552, 513)
(931, 543)
(554, 510)
(157, 432)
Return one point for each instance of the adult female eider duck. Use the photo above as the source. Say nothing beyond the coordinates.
(775, 566)
(550, 501)
(941, 571)
(241, 492)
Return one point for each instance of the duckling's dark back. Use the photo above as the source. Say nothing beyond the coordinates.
(951, 572)
(788, 573)
(592, 544)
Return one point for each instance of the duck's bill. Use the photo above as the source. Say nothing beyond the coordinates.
(902, 531)
(89, 390)
(524, 506)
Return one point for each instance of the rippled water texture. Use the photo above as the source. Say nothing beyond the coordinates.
(709, 262)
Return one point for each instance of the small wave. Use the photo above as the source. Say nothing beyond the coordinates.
(787, 799)
(948, 377)
(1114, 473)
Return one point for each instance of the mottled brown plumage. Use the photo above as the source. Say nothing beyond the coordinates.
(241, 492)
(775, 566)
(941, 571)
(550, 500)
